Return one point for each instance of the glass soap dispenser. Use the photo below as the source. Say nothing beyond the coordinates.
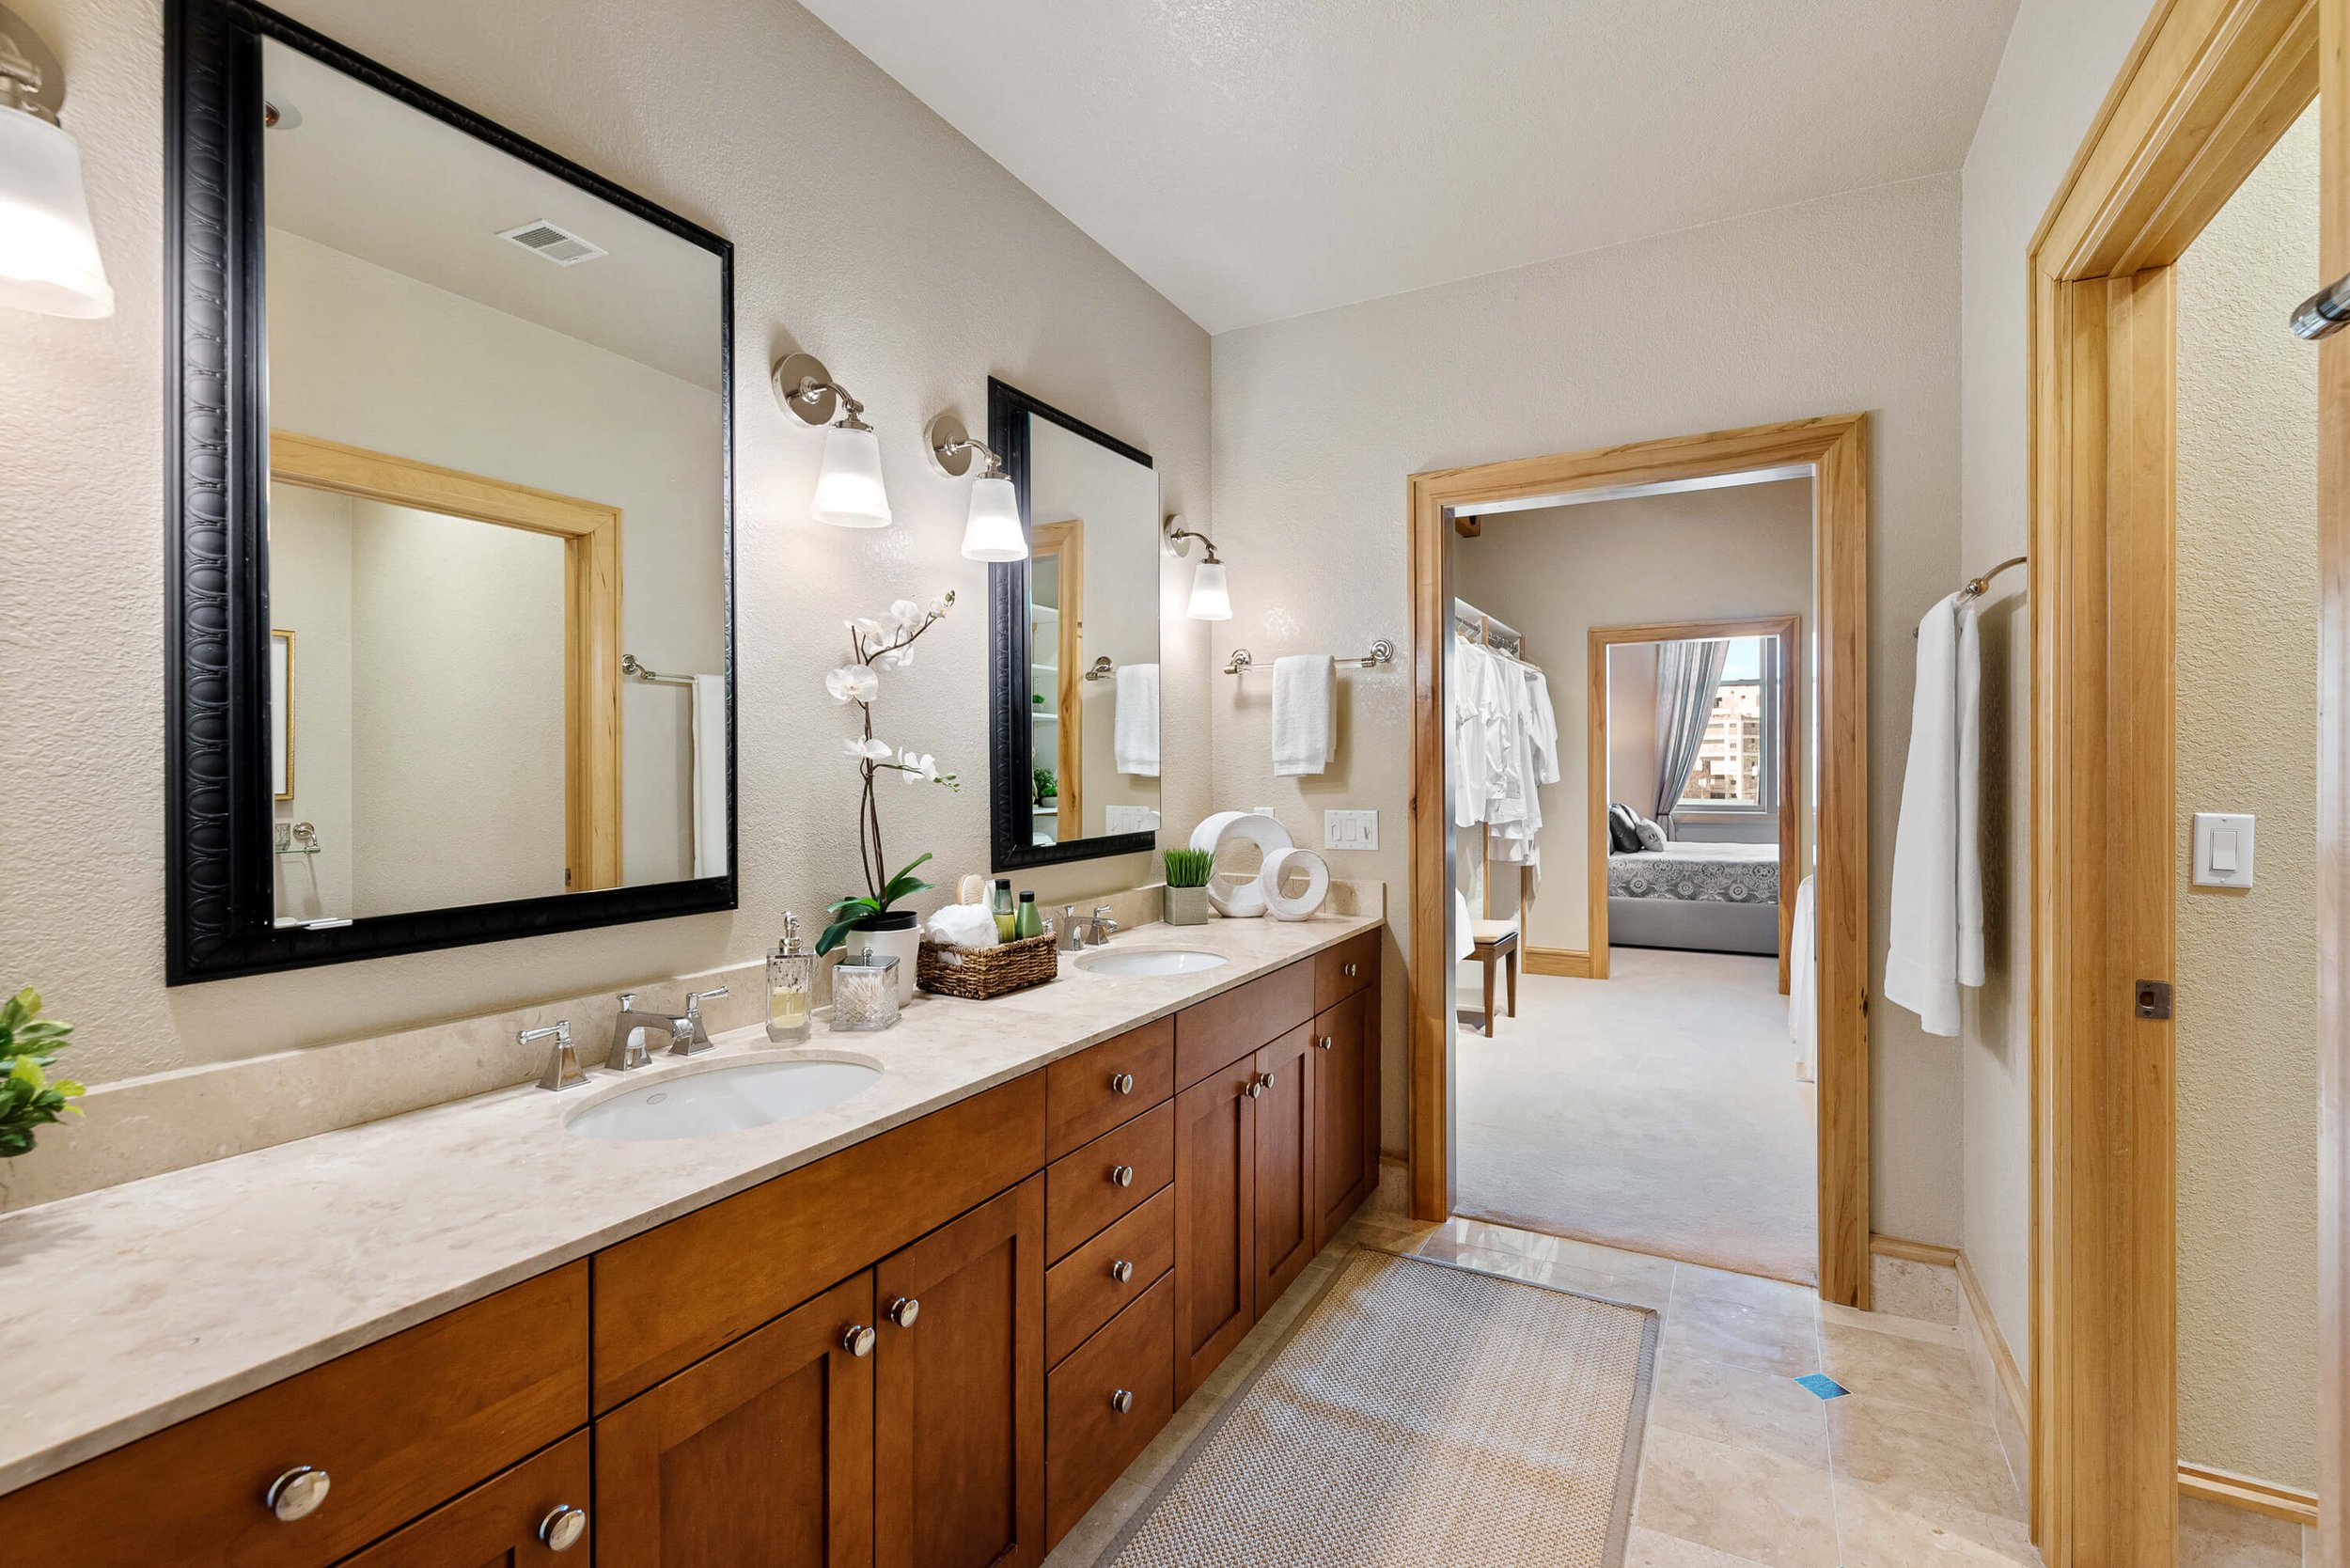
(791, 978)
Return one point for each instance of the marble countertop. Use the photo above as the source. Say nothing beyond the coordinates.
(166, 1298)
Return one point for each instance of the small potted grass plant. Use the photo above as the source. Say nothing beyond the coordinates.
(1188, 873)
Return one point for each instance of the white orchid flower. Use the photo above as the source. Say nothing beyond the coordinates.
(917, 770)
(938, 606)
(853, 683)
(866, 752)
(908, 613)
(891, 658)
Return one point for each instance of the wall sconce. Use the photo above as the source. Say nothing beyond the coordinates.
(1211, 600)
(49, 259)
(992, 531)
(849, 492)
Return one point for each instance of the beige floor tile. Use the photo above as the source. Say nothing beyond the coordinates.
(1743, 1501)
(1895, 1367)
(1648, 1549)
(2212, 1535)
(1903, 1449)
(1908, 1328)
(1883, 1527)
(1082, 1545)
(1649, 1284)
(1760, 1339)
(1747, 1289)
(1744, 1409)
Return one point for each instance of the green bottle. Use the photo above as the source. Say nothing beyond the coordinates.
(1027, 922)
(1004, 916)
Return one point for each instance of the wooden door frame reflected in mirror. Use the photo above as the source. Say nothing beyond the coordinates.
(1066, 542)
(590, 533)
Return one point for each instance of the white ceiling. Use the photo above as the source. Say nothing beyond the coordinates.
(1259, 158)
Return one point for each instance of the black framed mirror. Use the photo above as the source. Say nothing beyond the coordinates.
(1074, 642)
(449, 634)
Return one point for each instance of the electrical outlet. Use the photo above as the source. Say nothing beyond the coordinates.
(1349, 830)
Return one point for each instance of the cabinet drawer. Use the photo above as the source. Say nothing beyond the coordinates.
(764, 1251)
(1086, 1290)
(1084, 1191)
(1342, 971)
(1222, 1029)
(1088, 1094)
(398, 1427)
(1089, 1439)
(503, 1521)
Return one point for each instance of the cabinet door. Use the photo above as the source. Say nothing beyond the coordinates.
(534, 1515)
(1346, 1142)
(1216, 1221)
(1286, 1191)
(761, 1454)
(959, 1392)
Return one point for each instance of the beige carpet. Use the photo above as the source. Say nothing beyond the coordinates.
(1658, 1110)
(1416, 1414)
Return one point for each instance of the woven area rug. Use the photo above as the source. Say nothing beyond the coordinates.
(1415, 1414)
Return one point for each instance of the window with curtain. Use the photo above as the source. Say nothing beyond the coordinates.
(1736, 769)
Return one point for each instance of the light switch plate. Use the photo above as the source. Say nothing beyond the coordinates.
(2223, 849)
(1349, 830)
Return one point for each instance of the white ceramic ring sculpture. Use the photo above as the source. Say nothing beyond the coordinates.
(1239, 901)
(1299, 906)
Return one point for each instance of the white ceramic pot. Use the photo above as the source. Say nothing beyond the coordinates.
(1186, 906)
(897, 934)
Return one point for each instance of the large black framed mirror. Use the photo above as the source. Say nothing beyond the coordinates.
(449, 634)
(1073, 644)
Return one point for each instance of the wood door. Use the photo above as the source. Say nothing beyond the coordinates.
(1346, 1143)
(761, 1454)
(1286, 1188)
(509, 1521)
(959, 1392)
(1216, 1221)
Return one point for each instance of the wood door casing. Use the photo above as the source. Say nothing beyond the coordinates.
(761, 1453)
(1285, 1188)
(1346, 1140)
(497, 1524)
(959, 1394)
(1216, 1221)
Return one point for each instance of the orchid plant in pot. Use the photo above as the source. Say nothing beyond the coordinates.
(870, 922)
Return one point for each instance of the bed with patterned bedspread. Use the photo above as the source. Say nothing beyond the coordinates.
(1700, 874)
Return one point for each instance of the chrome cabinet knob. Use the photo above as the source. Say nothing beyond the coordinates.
(1255, 1087)
(903, 1311)
(1122, 1401)
(1325, 1043)
(298, 1493)
(858, 1341)
(1122, 1083)
(1350, 970)
(1122, 1175)
(1121, 1271)
(563, 1527)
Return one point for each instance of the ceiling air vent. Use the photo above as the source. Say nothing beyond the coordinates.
(555, 243)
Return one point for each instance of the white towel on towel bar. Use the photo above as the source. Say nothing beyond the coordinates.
(710, 775)
(1135, 731)
(1304, 697)
(1935, 943)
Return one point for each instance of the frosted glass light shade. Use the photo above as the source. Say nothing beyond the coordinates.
(47, 256)
(992, 533)
(1210, 599)
(849, 493)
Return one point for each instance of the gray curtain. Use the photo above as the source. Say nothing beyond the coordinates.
(1687, 675)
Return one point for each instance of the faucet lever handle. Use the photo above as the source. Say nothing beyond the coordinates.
(562, 1070)
(694, 1000)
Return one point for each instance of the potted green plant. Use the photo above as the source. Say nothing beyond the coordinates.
(870, 922)
(1047, 787)
(29, 1097)
(1187, 874)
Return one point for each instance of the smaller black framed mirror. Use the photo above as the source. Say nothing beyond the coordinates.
(1074, 642)
(449, 631)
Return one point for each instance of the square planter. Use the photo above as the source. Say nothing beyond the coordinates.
(1186, 906)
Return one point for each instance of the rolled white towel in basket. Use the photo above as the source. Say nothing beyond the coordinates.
(968, 926)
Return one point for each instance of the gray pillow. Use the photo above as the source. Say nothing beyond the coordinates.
(1651, 836)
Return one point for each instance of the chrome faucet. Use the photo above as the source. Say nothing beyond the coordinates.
(563, 1070)
(1072, 935)
(1101, 924)
(696, 1039)
(630, 1049)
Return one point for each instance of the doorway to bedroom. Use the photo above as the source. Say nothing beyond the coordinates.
(1631, 802)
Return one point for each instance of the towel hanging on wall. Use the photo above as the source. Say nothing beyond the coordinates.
(1936, 913)
(1305, 694)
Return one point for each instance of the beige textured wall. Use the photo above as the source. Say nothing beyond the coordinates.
(2246, 1041)
(2061, 56)
(866, 230)
(1844, 304)
(311, 569)
(1556, 573)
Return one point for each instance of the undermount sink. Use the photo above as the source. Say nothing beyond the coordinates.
(723, 1100)
(1150, 961)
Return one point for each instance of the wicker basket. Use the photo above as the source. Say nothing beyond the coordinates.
(997, 971)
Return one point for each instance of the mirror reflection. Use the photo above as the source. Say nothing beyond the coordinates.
(495, 473)
(1093, 638)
